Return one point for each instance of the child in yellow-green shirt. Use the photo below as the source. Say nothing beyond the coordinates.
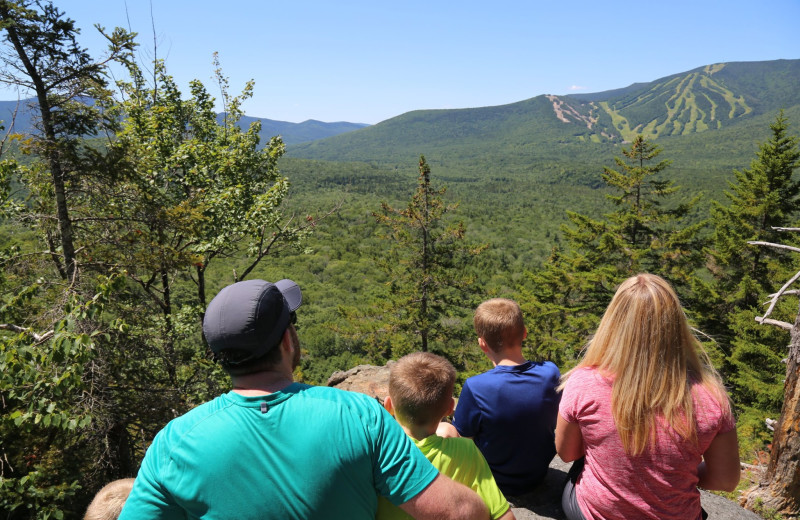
(420, 394)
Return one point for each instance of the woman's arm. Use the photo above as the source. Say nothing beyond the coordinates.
(720, 469)
(569, 441)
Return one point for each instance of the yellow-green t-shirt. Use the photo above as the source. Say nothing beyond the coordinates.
(462, 461)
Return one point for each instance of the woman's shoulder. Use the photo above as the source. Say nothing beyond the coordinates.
(585, 373)
(587, 376)
(712, 407)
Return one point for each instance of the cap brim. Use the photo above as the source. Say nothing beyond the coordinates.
(291, 292)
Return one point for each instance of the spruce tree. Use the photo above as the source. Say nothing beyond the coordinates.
(762, 198)
(427, 284)
(642, 234)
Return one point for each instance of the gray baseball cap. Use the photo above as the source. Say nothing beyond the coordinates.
(250, 316)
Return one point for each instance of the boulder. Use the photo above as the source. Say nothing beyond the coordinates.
(366, 379)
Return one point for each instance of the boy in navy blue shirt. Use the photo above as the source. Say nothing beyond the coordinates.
(510, 411)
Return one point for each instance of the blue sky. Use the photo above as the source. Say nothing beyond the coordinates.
(367, 61)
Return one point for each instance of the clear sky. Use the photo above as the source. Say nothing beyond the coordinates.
(366, 61)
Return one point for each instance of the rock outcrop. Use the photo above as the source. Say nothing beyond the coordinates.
(544, 502)
(366, 379)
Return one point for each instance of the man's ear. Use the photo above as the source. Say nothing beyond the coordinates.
(387, 403)
(483, 345)
(526, 334)
(286, 339)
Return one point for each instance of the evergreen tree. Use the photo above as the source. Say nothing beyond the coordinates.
(567, 296)
(424, 265)
(51, 298)
(42, 56)
(762, 198)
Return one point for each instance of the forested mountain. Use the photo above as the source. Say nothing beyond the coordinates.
(20, 113)
(700, 101)
(294, 133)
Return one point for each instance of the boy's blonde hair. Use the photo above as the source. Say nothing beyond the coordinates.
(645, 344)
(421, 387)
(108, 502)
(499, 322)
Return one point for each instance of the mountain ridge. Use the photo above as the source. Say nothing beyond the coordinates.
(707, 98)
(21, 113)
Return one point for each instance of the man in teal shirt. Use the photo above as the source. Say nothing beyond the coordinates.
(273, 448)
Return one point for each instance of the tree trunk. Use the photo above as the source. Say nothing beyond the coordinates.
(780, 487)
(56, 170)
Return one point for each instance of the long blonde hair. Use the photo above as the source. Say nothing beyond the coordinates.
(645, 345)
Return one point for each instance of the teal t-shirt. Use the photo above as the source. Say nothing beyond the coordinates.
(303, 452)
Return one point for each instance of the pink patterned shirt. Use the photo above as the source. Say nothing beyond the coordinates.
(659, 484)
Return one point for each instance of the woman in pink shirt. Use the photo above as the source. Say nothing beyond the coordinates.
(646, 414)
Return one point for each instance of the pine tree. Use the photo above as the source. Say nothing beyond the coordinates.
(42, 56)
(568, 295)
(424, 264)
(762, 198)
(51, 299)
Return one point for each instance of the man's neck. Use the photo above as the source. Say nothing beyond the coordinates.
(261, 383)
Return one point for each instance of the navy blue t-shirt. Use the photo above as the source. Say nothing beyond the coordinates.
(510, 412)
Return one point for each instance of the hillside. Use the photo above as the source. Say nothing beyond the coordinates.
(581, 127)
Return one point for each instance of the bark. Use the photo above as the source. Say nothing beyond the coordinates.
(780, 487)
(56, 170)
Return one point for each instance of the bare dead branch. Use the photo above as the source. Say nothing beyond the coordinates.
(780, 293)
(768, 321)
(10, 126)
(786, 293)
(771, 244)
(36, 337)
(786, 228)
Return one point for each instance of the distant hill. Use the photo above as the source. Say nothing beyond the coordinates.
(696, 103)
(19, 112)
(295, 133)
(292, 133)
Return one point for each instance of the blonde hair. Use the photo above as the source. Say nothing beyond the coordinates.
(499, 322)
(645, 344)
(421, 388)
(108, 502)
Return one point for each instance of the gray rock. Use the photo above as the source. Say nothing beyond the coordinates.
(367, 379)
(545, 501)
